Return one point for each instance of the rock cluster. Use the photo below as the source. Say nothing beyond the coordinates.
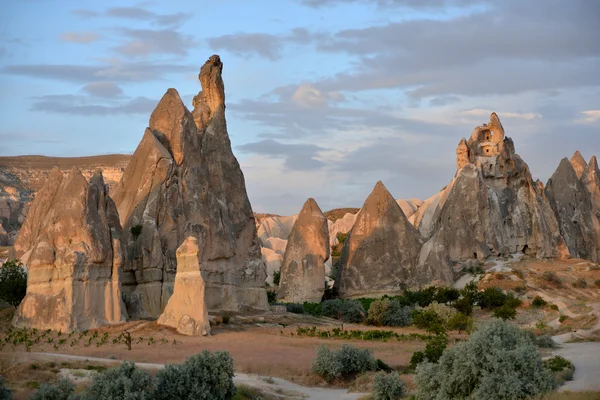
(71, 244)
(303, 267)
(183, 180)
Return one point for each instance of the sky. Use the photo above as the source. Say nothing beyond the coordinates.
(324, 97)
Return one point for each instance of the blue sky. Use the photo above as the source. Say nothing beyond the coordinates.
(324, 97)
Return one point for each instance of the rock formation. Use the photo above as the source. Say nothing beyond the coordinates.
(70, 243)
(591, 179)
(578, 163)
(183, 180)
(572, 205)
(380, 253)
(491, 207)
(303, 269)
(186, 309)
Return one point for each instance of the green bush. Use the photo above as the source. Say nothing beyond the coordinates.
(204, 376)
(551, 277)
(492, 298)
(545, 341)
(580, 283)
(562, 318)
(272, 296)
(433, 351)
(460, 322)
(5, 393)
(344, 363)
(344, 310)
(13, 282)
(341, 237)
(295, 308)
(557, 363)
(498, 362)
(62, 390)
(427, 319)
(388, 386)
(386, 312)
(315, 309)
(446, 295)
(276, 277)
(464, 305)
(123, 382)
(538, 302)
(505, 312)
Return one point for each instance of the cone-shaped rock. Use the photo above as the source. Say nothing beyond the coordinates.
(70, 243)
(186, 310)
(591, 180)
(578, 163)
(491, 207)
(380, 252)
(303, 270)
(572, 205)
(183, 181)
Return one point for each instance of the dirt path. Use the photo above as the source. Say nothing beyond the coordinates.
(586, 358)
(275, 386)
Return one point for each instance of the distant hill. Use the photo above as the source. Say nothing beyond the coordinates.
(337, 213)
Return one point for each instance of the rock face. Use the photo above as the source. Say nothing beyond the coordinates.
(591, 179)
(578, 163)
(21, 177)
(70, 243)
(186, 309)
(379, 256)
(572, 205)
(303, 269)
(183, 180)
(491, 207)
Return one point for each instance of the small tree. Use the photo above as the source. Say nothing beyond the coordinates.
(13, 282)
(276, 277)
(460, 322)
(62, 390)
(5, 393)
(343, 363)
(123, 382)
(388, 386)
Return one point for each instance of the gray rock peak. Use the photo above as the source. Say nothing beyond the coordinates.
(578, 163)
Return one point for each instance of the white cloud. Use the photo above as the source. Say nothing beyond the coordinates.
(309, 97)
(589, 117)
(479, 112)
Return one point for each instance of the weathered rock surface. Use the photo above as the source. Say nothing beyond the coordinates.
(273, 261)
(303, 269)
(591, 179)
(492, 207)
(186, 309)
(183, 180)
(572, 205)
(379, 256)
(21, 177)
(71, 244)
(578, 163)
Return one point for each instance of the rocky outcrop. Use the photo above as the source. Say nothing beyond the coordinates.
(591, 179)
(578, 163)
(184, 181)
(491, 207)
(572, 205)
(70, 243)
(303, 269)
(186, 309)
(379, 256)
(21, 177)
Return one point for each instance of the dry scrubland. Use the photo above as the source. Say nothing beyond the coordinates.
(268, 344)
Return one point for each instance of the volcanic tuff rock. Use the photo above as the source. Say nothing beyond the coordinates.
(183, 180)
(70, 243)
(591, 179)
(380, 253)
(572, 205)
(578, 163)
(491, 207)
(303, 269)
(186, 309)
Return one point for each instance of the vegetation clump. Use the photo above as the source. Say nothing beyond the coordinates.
(344, 310)
(5, 392)
(123, 382)
(344, 363)
(386, 312)
(538, 302)
(13, 282)
(62, 390)
(388, 386)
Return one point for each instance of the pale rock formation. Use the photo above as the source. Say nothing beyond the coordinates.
(380, 253)
(183, 180)
(408, 207)
(591, 179)
(492, 207)
(578, 163)
(272, 261)
(572, 205)
(342, 225)
(276, 227)
(70, 243)
(276, 244)
(186, 309)
(303, 269)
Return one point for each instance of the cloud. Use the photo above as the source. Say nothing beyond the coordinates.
(79, 105)
(308, 96)
(478, 112)
(589, 117)
(415, 4)
(114, 71)
(79, 37)
(142, 42)
(136, 13)
(103, 89)
(298, 157)
(85, 13)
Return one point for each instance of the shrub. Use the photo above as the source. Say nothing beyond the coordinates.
(204, 376)
(344, 310)
(446, 295)
(557, 364)
(425, 319)
(443, 311)
(492, 298)
(562, 318)
(5, 393)
(276, 277)
(432, 353)
(272, 296)
(123, 382)
(498, 362)
(295, 308)
(313, 308)
(421, 297)
(545, 341)
(341, 237)
(463, 305)
(538, 302)
(62, 390)
(580, 283)
(387, 312)
(388, 386)
(13, 282)
(505, 312)
(554, 307)
(460, 322)
(343, 363)
(597, 283)
(552, 278)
